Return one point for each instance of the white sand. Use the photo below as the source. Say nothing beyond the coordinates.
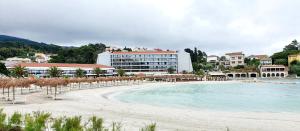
(100, 102)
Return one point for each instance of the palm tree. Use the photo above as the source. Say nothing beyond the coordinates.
(54, 72)
(79, 73)
(121, 72)
(98, 71)
(19, 71)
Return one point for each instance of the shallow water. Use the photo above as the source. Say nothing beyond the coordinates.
(267, 96)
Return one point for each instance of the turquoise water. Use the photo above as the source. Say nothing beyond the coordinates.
(281, 96)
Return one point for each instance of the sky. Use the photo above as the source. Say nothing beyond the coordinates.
(214, 26)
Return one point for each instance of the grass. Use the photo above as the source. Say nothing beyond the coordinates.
(41, 121)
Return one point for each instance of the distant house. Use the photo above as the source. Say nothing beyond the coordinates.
(266, 61)
(235, 58)
(292, 58)
(17, 59)
(42, 58)
(257, 57)
(212, 59)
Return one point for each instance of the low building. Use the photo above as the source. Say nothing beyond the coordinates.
(268, 71)
(212, 59)
(41, 69)
(242, 75)
(42, 58)
(147, 61)
(266, 61)
(235, 58)
(17, 59)
(292, 58)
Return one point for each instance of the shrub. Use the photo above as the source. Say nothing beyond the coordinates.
(150, 127)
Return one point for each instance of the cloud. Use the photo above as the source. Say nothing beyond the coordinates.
(252, 26)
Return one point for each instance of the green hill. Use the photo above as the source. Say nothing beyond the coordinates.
(13, 46)
(15, 42)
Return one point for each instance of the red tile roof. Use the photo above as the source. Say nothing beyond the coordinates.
(259, 56)
(63, 65)
(145, 52)
(235, 53)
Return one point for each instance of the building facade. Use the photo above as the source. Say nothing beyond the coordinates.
(147, 62)
(235, 59)
(212, 59)
(42, 69)
(17, 59)
(265, 61)
(269, 71)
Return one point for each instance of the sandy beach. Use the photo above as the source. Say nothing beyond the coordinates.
(101, 102)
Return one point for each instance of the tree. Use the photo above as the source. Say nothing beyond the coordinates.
(222, 67)
(208, 66)
(281, 62)
(252, 62)
(128, 49)
(200, 73)
(98, 71)
(171, 70)
(54, 72)
(239, 67)
(198, 58)
(86, 54)
(295, 68)
(3, 69)
(19, 71)
(282, 57)
(79, 73)
(292, 46)
(222, 58)
(120, 72)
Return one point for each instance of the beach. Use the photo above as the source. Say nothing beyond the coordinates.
(101, 102)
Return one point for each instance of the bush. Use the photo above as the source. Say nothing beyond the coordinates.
(40, 121)
(150, 127)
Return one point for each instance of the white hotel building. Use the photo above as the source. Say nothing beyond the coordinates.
(41, 69)
(147, 61)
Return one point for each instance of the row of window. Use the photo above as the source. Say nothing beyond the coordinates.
(239, 62)
(272, 69)
(145, 67)
(239, 58)
(144, 63)
(144, 56)
(145, 59)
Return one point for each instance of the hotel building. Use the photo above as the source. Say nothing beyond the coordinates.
(41, 69)
(147, 61)
(267, 71)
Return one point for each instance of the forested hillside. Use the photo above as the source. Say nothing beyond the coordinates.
(19, 47)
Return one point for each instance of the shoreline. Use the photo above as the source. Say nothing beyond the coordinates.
(101, 102)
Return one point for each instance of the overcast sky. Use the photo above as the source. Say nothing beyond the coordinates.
(214, 26)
